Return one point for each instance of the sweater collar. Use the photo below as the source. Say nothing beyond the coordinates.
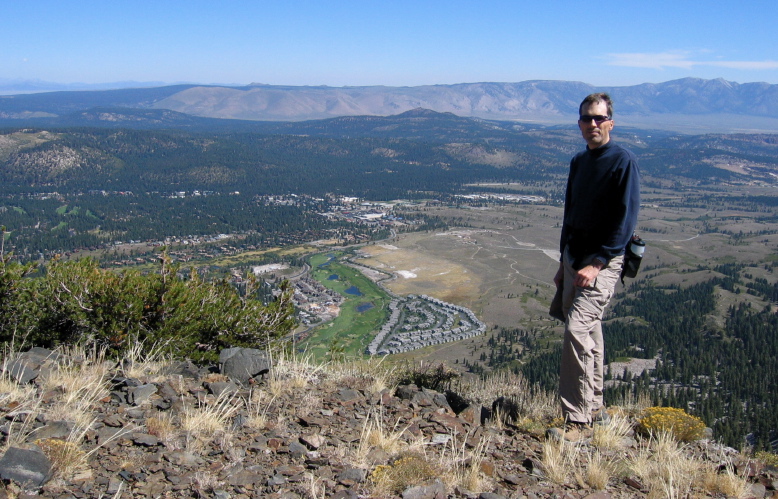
(600, 150)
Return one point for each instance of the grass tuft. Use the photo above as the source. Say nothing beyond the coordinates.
(203, 422)
(611, 435)
(558, 460)
(66, 457)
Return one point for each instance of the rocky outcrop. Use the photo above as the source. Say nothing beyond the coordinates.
(276, 437)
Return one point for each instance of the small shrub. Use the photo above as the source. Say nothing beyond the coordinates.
(65, 456)
(157, 314)
(406, 471)
(676, 422)
(162, 427)
(767, 458)
(428, 376)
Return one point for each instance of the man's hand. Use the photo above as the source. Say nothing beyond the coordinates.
(586, 276)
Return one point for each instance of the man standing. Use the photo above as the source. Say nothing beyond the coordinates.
(601, 209)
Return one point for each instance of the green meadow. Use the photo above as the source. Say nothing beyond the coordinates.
(361, 314)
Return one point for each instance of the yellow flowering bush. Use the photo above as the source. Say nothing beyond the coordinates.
(408, 470)
(682, 426)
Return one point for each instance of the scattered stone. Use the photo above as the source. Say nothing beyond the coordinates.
(435, 490)
(26, 467)
(244, 364)
(145, 440)
(139, 394)
(490, 495)
(313, 442)
(54, 429)
(309, 441)
(356, 475)
(222, 387)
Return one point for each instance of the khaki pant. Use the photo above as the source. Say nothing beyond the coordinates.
(583, 352)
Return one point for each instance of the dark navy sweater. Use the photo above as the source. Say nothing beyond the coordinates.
(601, 203)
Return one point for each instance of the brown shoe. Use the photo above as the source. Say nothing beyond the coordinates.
(571, 432)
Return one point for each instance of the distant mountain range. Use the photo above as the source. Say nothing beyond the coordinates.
(690, 104)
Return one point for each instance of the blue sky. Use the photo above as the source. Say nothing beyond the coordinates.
(396, 43)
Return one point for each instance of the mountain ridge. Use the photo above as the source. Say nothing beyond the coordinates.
(685, 103)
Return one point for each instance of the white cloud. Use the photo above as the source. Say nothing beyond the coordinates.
(745, 64)
(680, 59)
(652, 61)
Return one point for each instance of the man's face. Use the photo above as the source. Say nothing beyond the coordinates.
(593, 133)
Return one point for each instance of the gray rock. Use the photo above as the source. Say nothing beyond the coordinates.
(27, 467)
(21, 372)
(297, 449)
(313, 441)
(276, 480)
(758, 490)
(345, 494)
(37, 356)
(145, 440)
(244, 364)
(222, 387)
(185, 369)
(183, 458)
(354, 474)
(115, 485)
(439, 399)
(54, 429)
(406, 392)
(433, 490)
(140, 394)
(107, 434)
(349, 395)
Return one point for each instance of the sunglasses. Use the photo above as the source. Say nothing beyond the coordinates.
(587, 118)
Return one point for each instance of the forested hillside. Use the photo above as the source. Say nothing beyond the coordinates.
(725, 373)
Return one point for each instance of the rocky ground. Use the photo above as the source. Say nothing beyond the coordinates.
(176, 430)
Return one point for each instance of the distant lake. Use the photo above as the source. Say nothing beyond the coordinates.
(364, 307)
(353, 290)
(331, 258)
(333, 277)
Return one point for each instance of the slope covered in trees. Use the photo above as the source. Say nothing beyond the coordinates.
(726, 374)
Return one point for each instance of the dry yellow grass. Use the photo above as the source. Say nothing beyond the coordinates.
(65, 456)
(371, 374)
(612, 434)
(663, 466)
(202, 422)
(137, 364)
(163, 427)
(558, 460)
(82, 379)
(257, 406)
(533, 405)
(463, 467)
(599, 470)
(375, 435)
